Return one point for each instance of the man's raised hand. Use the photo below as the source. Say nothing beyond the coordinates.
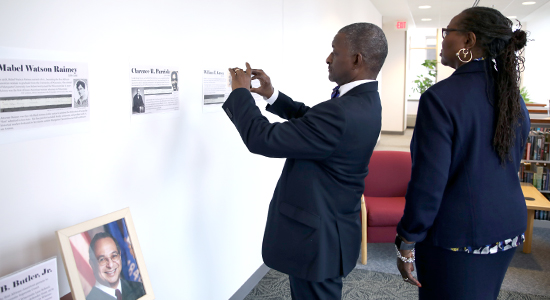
(265, 89)
(240, 78)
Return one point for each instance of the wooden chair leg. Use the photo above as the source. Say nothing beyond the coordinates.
(363, 231)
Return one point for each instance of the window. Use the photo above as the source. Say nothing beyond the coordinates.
(422, 60)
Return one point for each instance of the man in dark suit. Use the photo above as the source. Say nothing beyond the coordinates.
(313, 231)
(106, 263)
(174, 77)
(138, 106)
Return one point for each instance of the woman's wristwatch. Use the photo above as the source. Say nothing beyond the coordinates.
(401, 245)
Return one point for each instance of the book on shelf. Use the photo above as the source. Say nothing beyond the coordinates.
(534, 168)
(543, 214)
(537, 175)
(538, 144)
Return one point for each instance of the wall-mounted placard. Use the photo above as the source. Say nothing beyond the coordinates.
(38, 281)
(216, 87)
(154, 89)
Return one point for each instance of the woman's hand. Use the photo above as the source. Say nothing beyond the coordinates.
(406, 268)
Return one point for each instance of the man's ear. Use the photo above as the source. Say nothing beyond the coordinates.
(358, 61)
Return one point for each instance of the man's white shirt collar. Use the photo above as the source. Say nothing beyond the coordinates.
(108, 290)
(348, 86)
(343, 89)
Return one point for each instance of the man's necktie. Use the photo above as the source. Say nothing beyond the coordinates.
(118, 294)
(335, 92)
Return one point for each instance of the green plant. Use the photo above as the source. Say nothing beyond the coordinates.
(525, 95)
(424, 82)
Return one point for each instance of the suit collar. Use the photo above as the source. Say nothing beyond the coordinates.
(362, 88)
(471, 67)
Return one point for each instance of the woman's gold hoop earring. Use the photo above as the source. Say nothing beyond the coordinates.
(465, 53)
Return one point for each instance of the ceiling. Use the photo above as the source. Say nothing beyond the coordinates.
(442, 11)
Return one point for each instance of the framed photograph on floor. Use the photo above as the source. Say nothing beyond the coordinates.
(103, 259)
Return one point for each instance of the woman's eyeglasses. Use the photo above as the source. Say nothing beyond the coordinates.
(445, 31)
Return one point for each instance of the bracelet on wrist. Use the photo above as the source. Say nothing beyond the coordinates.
(405, 259)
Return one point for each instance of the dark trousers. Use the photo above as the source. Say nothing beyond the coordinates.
(301, 289)
(449, 275)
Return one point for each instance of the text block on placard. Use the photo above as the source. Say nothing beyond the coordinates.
(35, 282)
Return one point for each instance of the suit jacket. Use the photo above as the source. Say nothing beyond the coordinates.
(131, 290)
(138, 101)
(460, 194)
(313, 229)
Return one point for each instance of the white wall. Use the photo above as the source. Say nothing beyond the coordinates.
(309, 27)
(535, 77)
(443, 72)
(393, 80)
(199, 200)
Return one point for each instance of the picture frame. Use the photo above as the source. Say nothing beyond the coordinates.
(116, 257)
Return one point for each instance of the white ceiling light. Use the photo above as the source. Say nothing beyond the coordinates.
(528, 2)
(424, 7)
(426, 19)
(511, 17)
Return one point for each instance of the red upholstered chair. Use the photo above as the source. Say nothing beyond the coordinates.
(384, 197)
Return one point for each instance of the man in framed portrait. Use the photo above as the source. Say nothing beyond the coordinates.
(82, 99)
(174, 79)
(138, 105)
(106, 263)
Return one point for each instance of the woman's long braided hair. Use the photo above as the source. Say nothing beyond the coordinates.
(501, 46)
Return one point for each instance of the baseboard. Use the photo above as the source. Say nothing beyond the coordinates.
(411, 121)
(393, 132)
(245, 289)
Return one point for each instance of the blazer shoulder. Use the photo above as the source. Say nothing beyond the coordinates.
(458, 85)
(331, 104)
(468, 74)
(131, 283)
(135, 289)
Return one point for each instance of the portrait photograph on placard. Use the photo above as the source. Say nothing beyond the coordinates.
(105, 261)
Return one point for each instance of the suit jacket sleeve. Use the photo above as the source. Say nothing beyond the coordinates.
(431, 156)
(311, 135)
(287, 109)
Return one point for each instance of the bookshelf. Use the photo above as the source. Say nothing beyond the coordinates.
(535, 165)
(539, 120)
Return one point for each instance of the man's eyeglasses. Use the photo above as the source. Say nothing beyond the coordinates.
(115, 257)
(445, 31)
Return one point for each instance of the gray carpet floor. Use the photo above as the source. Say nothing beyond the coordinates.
(528, 273)
(360, 284)
(528, 276)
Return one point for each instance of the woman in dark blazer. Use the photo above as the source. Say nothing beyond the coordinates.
(465, 208)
